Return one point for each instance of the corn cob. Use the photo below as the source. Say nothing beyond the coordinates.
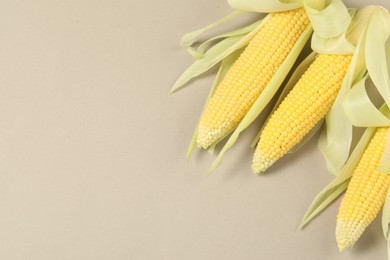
(305, 105)
(250, 74)
(365, 194)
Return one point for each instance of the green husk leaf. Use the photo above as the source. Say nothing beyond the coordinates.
(386, 217)
(265, 6)
(324, 199)
(211, 149)
(388, 56)
(386, 221)
(192, 144)
(361, 111)
(384, 163)
(265, 96)
(360, 19)
(189, 38)
(223, 69)
(330, 20)
(241, 31)
(334, 189)
(338, 44)
(336, 138)
(216, 53)
(298, 72)
(378, 32)
(358, 106)
(388, 249)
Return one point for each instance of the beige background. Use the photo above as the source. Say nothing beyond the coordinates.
(92, 148)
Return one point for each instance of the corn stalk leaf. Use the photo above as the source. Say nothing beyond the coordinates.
(223, 69)
(265, 6)
(216, 53)
(334, 189)
(266, 95)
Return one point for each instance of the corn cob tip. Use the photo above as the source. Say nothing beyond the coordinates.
(208, 136)
(365, 195)
(261, 163)
(348, 232)
(305, 105)
(250, 74)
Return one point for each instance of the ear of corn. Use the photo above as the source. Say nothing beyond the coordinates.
(225, 66)
(368, 187)
(367, 34)
(316, 91)
(294, 78)
(365, 195)
(338, 185)
(313, 97)
(306, 104)
(250, 74)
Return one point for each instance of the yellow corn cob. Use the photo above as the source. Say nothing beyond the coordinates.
(305, 105)
(365, 195)
(250, 74)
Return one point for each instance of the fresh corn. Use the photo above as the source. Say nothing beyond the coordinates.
(365, 194)
(305, 105)
(250, 74)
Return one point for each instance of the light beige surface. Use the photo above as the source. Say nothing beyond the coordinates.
(92, 148)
